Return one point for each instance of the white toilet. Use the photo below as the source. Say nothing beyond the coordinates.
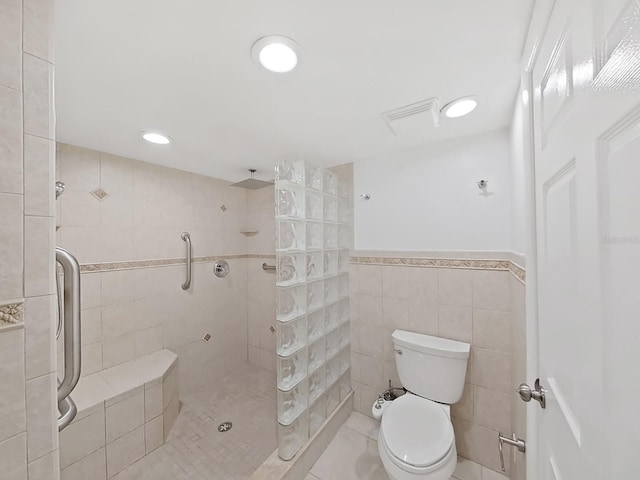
(416, 439)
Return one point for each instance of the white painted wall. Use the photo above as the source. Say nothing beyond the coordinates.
(427, 199)
(518, 179)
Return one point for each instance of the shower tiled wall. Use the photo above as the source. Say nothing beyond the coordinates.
(140, 307)
(473, 305)
(28, 426)
(313, 237)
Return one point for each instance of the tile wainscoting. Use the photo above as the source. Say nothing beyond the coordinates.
(463, 297)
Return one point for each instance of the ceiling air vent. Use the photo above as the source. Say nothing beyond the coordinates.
(417, 118)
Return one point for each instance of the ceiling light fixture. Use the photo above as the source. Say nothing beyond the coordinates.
(276, 54)
(460, 107)
(156, 138)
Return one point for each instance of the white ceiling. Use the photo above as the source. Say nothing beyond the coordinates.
(184, 68)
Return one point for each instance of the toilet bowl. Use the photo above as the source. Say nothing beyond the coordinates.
(416, 440)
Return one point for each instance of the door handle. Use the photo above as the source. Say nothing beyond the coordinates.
(537, 393)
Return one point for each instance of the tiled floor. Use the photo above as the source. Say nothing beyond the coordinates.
(195, 450)
(353, 454)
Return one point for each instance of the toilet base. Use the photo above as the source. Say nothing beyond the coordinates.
(440, 471)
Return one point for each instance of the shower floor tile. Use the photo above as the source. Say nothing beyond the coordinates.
(195, 450)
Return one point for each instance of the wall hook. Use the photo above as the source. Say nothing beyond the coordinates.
(482, 184)
(366, 196)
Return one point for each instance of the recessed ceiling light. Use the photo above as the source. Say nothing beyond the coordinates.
(460, 108)
(276, 54)
(156, 138)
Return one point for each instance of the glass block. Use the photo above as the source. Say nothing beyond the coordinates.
(314, 176)
(317, 415)
(290, 170)
(290, 201)
(344, 311)
(315, 295)
(290, 235)
(345, 335)
(315, 265)
(292, 437)
(343, 187)
(316, 354)
(313, 205)
(330, 183)
(292, 302)
(333, 370)
(290, 269)
(317, 383)
(330, 262)
(333, 398)
(330, 208)
(344, 211)
(291, 369)
(330, 235)
(344, 236)
(330, 289)
(292, 403)
(331, 317)
(315, 323)
(343, 285)
(344, 384)
(314, 236)
(333, 343)
(345, 360)
(343, 261)
(291, 335)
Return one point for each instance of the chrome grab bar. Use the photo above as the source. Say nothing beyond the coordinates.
(187, 238)
(68, 411)
(72, 340)
(266, 267)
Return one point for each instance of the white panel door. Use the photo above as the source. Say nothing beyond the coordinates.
(586, 115)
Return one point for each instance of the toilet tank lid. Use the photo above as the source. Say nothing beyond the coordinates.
(441, 347)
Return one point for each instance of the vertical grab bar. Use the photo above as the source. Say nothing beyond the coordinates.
(72, 341)
(187, 238)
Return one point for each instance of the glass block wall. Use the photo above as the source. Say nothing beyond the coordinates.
(313, 235)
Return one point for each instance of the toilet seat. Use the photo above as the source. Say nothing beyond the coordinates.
(416, 432)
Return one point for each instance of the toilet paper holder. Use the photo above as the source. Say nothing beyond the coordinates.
(513, 442)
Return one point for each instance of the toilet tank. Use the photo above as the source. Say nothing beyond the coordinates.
(431, 367)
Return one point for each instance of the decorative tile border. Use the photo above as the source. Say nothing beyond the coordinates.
(11, 314)
(474, 264)
(165, 262)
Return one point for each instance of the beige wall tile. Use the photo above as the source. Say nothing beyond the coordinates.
(395, 282)
(39, 155)
(371, 341)
(40, 327)
(153, 404)
(45, 468)
(372, 372)
(12, 378)
(478, 444)
(423, 284)
(148, 341)
(124, 416)
(11, 44)
(11, 246)
(125, 451)
(79, 209)
(91, 358)
(91, 320)
(117, 320)
(491, 370)
(38, 97)
(492, 330)
(491, 290)
(423, 317)
(366, 280)
(42, 408)
(395, 313)
(153, 434)
(38, 28)
(79, 168)
(90, 290)
(10, 134)
(454, 287)
(118, 350)
(464, 408)
(13, 461)
(368, 309)
(39, 256)
(492, 409)
(93, 466)
(455, 323)
(81, 438)
(116, 174)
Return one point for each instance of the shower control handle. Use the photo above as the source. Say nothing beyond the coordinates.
(537, 393)
(398, 351)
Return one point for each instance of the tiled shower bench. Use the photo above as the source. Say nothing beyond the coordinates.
(124, 413)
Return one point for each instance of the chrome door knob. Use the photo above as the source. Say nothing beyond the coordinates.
(537, 393)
